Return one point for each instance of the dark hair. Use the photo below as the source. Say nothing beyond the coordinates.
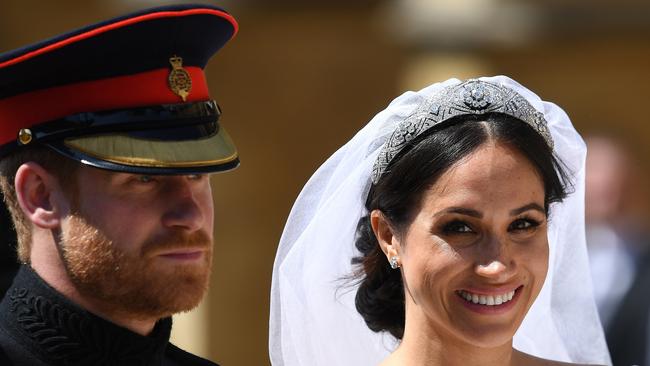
(398, 195)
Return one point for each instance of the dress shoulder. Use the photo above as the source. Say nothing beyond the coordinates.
(525, 359)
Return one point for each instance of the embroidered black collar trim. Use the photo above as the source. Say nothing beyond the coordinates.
(60, 332)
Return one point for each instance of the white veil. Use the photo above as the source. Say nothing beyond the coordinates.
(313, 317)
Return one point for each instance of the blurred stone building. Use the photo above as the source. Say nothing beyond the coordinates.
(302, 77)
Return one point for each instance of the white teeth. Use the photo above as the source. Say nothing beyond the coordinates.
(489, 300)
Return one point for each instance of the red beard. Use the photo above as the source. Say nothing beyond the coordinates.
(137, 285)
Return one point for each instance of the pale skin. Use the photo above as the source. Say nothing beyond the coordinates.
(134, 209)
(481, 228)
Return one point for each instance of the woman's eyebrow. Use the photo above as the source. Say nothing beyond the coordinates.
(459, 210)
(530, 206)
(477, 214)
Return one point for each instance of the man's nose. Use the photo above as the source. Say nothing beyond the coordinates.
(183, 209)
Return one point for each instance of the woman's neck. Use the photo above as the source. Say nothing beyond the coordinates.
(424, 344)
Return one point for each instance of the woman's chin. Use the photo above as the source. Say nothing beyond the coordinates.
(485, 334)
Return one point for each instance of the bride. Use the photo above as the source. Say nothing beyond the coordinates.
(456, 216)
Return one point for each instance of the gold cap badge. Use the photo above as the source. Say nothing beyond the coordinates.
(179, 79)
(25, 136)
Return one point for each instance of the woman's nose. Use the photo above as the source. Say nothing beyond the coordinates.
(495, 261)
(494, 268)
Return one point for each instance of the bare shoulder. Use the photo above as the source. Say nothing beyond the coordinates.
(524, 359)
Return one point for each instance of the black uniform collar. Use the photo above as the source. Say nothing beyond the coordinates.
(61, 333)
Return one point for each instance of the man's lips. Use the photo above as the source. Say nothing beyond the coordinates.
(183, 254)
(178, 245)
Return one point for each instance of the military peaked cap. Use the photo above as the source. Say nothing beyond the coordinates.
(128, 94)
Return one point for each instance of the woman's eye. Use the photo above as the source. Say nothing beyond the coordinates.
(457, 227)
(523, 224)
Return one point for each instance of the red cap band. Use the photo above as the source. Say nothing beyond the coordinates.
(138, 90)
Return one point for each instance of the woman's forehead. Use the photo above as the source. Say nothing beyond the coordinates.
(494, 174)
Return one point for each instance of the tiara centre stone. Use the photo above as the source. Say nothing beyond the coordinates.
(476, 96)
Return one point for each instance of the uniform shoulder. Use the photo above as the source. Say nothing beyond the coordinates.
(4, 359)
(185, 358)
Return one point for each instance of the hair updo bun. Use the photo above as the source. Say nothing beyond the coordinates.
(380, 297)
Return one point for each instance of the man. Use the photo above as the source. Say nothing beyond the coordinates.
(107, 137)
(618, 252)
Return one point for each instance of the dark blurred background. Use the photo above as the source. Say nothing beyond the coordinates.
(302, 76)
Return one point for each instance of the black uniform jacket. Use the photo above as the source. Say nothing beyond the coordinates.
(39, 326)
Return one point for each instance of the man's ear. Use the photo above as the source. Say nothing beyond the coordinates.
(39, 195)
(386, 235)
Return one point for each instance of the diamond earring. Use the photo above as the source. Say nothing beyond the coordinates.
(393, 262)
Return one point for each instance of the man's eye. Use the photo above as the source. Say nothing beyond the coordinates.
(145, 179)
(196, 176)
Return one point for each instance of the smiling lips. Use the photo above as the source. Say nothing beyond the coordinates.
(488, 300)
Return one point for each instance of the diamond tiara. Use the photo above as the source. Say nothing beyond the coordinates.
(472, 97)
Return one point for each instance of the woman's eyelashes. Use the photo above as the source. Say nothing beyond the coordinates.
(524, 224)
(457, 227)
(462, 227)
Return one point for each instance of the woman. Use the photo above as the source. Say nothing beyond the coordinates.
(468, 248)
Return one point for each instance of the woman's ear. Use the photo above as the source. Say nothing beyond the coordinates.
(386, 235)
(37, 191)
